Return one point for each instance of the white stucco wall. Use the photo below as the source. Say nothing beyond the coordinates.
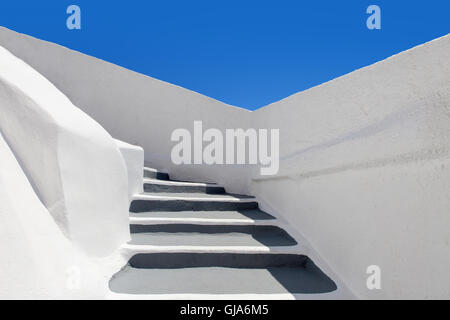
(365, 172)
(133, 107)
(134, 161)
(74, 165)
(37, 260)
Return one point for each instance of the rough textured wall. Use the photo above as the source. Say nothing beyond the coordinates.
(365, 171)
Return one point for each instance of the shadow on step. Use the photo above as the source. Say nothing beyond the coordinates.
(210, 235)
(256, 214)
(155, 188)
(189, 205)
(252, 214)
(221, 273)
(176, 260)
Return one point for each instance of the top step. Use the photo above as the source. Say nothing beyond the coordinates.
(157, 185)
(155, 174)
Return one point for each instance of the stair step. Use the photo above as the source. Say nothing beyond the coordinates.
(229, 260)
(155, 185)
(155, 174)
(249, 216)
(199, 221)
(129, 250)
(149, 202)
(201, 277)
(193, 238)
(210, 235)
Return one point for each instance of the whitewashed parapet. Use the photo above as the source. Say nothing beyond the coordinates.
(73, 164)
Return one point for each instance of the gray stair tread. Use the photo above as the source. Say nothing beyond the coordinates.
(150, 172)
(150, 169)
(189, 202)
(230, 215)
(165, 176)
(211, 239)
(221, 280)
(179, 183)
(205, 196)
(169, 186)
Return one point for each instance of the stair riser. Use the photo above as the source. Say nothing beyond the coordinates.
(205, 228)
(150, 187)
(230, 260)
(246, 215)
(156, 175)
(210, 235)
(188, 205)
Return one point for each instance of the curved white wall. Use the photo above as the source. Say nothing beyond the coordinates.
(37, 260)
(74, 165)
(365, 172)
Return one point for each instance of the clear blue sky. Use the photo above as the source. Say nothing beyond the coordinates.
(245, 53)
